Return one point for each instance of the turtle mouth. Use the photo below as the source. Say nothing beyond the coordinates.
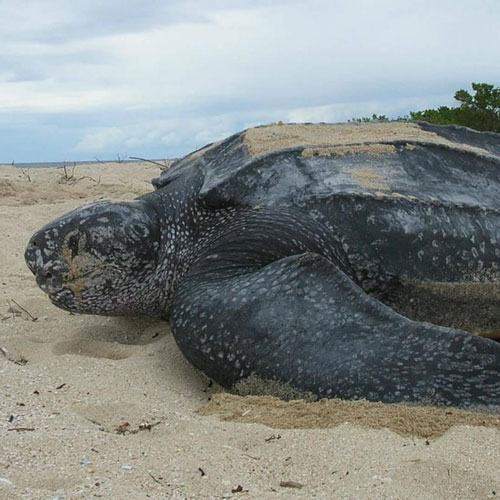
(73, 293)
(52, 288)
(76, 279)
(50, 277)
(64, 299)
(58, 281)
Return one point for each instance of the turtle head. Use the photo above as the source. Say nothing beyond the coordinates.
(98, 259)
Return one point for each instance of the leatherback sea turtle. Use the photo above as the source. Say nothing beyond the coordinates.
(307, 254)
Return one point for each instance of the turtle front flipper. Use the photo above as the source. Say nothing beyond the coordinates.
(301, 321)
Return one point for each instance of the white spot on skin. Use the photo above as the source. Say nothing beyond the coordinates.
(38, 258)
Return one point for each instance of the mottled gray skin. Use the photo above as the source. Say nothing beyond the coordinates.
(270, 266)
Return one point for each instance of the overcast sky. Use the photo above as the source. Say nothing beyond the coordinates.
(81, 79)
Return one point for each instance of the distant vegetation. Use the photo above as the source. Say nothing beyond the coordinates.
(373, 118)
(479, 110)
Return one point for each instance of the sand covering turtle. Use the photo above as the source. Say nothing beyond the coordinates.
(283, 253)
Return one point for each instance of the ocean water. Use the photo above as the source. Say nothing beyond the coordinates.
(69, 164)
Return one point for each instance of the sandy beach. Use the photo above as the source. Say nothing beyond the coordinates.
(97, 407)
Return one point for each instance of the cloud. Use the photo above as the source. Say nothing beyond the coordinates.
(162, 138)
(100, 138)
(54, 21)
(162, 77)
(392, 108)
(169, 138)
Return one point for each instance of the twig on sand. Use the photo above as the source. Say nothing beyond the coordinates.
(24, 310)
(291, 484)
(88, 177)
(68, 176)
(162, 165)
(26, 174)
(21, 361)
(126, 429)
(239, 489)
(154, 478)
(16, 310)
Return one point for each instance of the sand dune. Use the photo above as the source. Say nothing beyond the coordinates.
(95, 407)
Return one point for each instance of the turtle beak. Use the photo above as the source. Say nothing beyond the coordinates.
(42, 262)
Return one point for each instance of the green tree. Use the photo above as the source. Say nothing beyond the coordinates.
(366, 119)
(480, 111)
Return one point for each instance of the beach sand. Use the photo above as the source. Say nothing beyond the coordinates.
(96, 407)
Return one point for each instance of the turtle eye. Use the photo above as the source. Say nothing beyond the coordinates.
(73, 246)
(141, 230)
